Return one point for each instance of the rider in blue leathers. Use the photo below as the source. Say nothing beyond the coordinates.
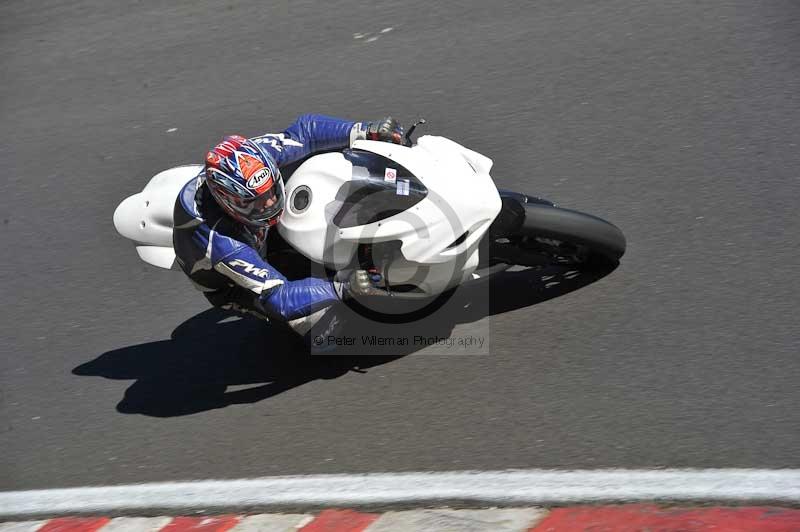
(223, 215)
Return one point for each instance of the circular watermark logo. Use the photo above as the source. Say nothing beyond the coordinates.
(417, 257)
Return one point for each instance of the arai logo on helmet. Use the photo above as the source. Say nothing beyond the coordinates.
(259, 179)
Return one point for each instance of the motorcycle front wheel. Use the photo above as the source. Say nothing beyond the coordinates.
(534, 232)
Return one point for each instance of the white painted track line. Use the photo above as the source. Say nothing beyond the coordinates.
(25, 526)
(135, 524)
(497, 520)
(271, 523)
(515, 487)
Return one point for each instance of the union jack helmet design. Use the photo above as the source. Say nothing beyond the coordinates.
(245, 181)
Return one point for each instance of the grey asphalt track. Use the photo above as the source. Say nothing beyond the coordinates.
(675, 120)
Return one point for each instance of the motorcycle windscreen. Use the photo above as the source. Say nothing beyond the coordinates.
(380, 188)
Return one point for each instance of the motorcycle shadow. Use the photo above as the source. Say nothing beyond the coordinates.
(216, 359)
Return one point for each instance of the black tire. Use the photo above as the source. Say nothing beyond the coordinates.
(534, 232)
(600, 238)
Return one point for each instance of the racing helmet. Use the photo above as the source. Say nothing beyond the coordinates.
(245, 181)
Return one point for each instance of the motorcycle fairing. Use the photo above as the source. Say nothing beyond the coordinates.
(440, 232)
(147, 217)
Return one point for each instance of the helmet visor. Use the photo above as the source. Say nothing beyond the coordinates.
(262, 208)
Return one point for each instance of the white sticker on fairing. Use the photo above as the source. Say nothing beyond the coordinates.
(402, 187)
(390, 175)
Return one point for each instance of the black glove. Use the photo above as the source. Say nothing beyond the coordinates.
(387, 130)
(362, 283)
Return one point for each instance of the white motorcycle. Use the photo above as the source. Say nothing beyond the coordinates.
(427, 217)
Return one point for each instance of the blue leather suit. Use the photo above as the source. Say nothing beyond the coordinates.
(227, 260)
